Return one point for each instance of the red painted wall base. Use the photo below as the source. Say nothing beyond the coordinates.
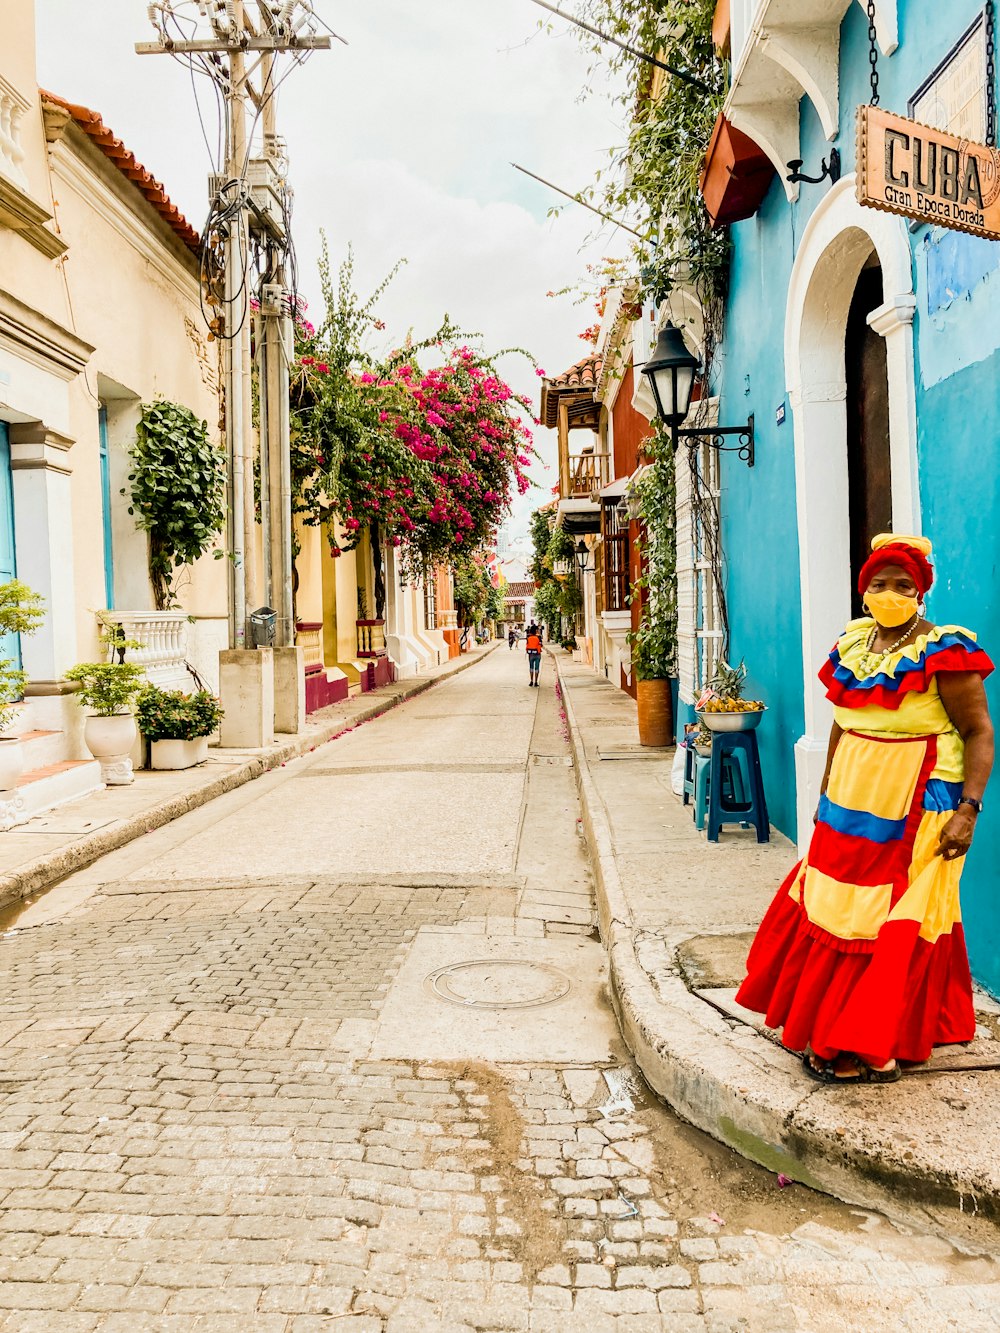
(320, 692)
(380, 672)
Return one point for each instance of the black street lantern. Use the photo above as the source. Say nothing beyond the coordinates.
(582, 556)
(671, 373)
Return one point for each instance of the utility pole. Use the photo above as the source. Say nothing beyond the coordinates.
(239, 52)
(278, 341)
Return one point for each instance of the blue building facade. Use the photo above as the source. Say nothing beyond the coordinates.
(795, 354)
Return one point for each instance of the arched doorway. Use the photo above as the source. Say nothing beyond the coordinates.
(848, 475)
(869, 457)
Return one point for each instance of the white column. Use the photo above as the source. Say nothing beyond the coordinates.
(894, 322)
(403, 648)
(43, 542)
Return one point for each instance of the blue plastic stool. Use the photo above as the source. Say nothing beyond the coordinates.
(735, 781)
(726, 805)
(696, 771)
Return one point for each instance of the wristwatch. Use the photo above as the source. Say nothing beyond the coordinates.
(971, 800)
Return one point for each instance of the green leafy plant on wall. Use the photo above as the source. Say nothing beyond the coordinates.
(177, 492)
(654, 643)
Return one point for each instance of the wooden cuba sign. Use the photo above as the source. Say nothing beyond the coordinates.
(908, 168)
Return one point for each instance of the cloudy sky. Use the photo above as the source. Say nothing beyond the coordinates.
(400, 145)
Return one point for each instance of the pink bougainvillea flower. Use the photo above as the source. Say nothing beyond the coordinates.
(322, 367)
(308, 360)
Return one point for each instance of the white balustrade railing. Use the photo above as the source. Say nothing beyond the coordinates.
(11, 151)
(162, 637)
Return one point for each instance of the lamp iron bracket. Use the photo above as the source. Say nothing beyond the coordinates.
(714, 436)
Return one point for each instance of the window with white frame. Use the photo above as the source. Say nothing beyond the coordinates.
(430, 601)
(700, 614)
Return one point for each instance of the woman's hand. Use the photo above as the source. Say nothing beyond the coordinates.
(955, 838)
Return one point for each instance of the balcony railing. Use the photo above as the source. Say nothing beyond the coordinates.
(586, 474)
(162, 637)
(371, 638)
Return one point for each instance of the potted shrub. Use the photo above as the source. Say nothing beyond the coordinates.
(652, 652)
(109, 688)
(12, 682)
(177, 725)
(21, 612)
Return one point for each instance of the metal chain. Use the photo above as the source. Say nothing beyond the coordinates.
(991, 77)
(873, 50)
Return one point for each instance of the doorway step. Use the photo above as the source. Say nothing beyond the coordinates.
(53, 771)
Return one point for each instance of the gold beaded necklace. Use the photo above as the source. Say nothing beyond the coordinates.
(870, 661)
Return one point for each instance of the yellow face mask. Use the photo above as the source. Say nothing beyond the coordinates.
(891, 608)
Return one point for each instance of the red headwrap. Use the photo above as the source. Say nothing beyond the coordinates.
(898, 552)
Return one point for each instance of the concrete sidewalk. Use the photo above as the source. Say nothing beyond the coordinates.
(46, 849)
(677, 915)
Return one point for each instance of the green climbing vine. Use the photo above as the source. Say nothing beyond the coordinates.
(654, 643)
(177, 490)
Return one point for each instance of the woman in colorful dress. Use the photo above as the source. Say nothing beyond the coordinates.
(861, 958)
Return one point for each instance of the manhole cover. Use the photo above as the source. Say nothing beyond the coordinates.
(499, 983)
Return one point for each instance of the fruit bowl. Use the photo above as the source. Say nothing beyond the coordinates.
(744, 721)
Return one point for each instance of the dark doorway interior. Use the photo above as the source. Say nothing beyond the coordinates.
(868, 460)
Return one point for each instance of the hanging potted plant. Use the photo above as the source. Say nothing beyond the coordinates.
(12, 682)
(652, 653)
(177, 725)
(109, 688)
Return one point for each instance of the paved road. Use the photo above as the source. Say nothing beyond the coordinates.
(256, 1074)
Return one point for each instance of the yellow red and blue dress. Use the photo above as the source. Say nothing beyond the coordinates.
(862, 950)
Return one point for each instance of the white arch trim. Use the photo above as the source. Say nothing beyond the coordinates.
(835, 245)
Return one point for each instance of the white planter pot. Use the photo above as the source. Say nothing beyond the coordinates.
(178, 754)
(11, 768)
(110, 739)
(11, 762)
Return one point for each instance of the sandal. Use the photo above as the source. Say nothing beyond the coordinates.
(825, 1073)
(870, 1075)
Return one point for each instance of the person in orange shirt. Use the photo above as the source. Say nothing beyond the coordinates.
(533, 647)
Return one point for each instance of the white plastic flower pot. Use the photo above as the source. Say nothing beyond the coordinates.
(109, 740)
(11, 762)
(174, 754)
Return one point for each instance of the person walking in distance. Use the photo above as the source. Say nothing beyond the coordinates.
(533, 647)
(511, 638)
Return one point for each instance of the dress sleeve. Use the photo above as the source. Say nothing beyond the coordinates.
(956, 650)
(947, 648)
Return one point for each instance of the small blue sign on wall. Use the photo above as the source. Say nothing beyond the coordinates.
(779, 415)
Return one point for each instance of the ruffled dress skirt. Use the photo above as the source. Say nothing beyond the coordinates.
(862, 949)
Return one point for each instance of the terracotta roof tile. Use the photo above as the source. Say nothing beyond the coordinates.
(583, 375)
(124, 160)
(580, 378)
(516, 592)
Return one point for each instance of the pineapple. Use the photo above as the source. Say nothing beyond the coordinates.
(725, 691)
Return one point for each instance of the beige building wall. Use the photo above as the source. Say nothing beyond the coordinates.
(135, 285)
(99, 304)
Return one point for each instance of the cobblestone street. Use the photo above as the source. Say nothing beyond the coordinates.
(231, 1099)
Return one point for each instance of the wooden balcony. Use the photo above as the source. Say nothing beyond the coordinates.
(371, 638)
(583, 476)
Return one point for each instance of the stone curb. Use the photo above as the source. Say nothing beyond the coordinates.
(725, 1082)
(47, 870)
